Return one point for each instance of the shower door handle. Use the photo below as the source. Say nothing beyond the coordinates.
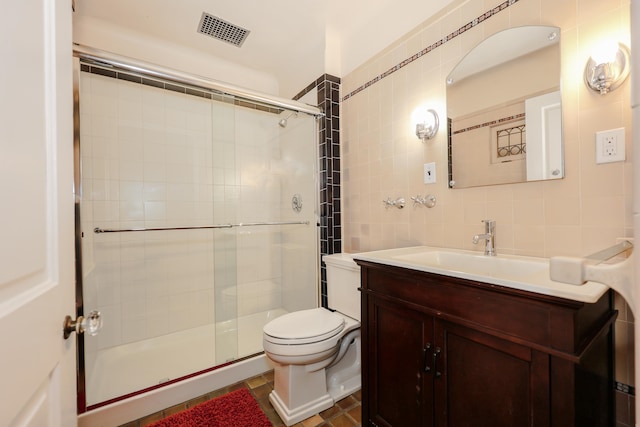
(90, 324)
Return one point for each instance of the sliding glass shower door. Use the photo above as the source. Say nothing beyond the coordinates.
(198, 225)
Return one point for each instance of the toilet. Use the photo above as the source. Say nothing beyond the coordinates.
(316, 352)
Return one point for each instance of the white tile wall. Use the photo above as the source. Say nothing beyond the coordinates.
(155, 158)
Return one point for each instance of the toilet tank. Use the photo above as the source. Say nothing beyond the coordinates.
(343, 281)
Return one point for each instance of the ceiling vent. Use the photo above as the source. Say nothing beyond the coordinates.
(222, 30)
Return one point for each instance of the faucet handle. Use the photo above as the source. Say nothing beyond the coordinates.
(429, 200)
(489, 225)
(398, 203)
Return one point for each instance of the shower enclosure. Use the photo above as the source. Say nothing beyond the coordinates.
(197, 213)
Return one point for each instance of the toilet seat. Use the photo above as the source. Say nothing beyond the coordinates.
(304, 327)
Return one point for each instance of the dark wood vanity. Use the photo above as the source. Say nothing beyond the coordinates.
(445, 351)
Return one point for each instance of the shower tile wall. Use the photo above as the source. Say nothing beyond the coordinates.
(148, 161)
(137, 176)
(159, 155)
(250, 198)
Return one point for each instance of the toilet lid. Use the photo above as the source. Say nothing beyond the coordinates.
(305, 326)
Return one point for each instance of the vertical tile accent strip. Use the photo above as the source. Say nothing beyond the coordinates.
(328, 89)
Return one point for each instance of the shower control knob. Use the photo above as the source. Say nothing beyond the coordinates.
(296, 202)
(90, 324)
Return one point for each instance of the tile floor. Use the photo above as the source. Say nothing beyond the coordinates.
(345, 413)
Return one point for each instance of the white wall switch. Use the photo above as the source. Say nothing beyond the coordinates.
(610, 146)
(430, 173)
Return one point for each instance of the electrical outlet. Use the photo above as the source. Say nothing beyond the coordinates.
(430, 173)
(610, 146)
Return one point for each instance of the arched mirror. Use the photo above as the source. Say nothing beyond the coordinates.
(504, 110)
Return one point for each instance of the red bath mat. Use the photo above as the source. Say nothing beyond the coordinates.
(235, 409)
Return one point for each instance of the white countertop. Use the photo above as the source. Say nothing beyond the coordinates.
(511, 271)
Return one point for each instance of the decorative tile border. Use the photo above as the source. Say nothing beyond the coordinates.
(625, 388)
(115, 73)
(488, 14)
(491, 123)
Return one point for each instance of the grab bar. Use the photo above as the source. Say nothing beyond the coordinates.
(618, 276)
(99, 230)
(613, 251)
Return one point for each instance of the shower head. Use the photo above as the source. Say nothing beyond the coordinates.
(283, 122)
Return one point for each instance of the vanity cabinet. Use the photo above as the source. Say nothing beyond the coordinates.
(443, 351)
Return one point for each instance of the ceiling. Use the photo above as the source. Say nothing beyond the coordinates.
(294, 41)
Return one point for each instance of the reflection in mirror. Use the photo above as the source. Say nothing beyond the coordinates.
(504, 110)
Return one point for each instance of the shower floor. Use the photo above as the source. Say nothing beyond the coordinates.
(121, 370)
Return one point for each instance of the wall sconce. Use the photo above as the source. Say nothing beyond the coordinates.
(427, 125)
(607, 67)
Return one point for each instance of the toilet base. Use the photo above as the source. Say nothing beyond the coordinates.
(302, 391)
(299, 394)
(291, 416)
(343, 390)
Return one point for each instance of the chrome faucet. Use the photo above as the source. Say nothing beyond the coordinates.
(489, 237)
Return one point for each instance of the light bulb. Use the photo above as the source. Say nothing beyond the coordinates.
(605, 52)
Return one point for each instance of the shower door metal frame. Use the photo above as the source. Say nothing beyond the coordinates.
(87, 54)
(128, 64)
(77, 198)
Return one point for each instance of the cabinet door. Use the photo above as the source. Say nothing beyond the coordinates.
(400, 341)
(487, 381)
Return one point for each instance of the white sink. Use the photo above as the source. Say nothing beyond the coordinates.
(517, 272)
(473, 263)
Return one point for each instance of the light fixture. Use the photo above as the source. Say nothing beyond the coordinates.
(427, 125)
(607, 67)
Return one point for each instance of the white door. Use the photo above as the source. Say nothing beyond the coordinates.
(37, 366)
(544, 137)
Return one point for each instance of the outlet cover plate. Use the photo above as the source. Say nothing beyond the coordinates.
(610, 146)
(430, 173)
